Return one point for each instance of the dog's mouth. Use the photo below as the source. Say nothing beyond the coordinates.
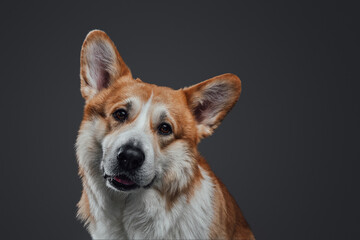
(121, 182)
(124, 183)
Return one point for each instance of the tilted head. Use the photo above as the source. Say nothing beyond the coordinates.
(138, 135)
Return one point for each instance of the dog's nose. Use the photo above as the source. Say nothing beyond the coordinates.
(131, 158)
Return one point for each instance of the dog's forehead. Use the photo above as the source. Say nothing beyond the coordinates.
(135, 89)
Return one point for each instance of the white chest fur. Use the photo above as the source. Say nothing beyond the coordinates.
(143, 215)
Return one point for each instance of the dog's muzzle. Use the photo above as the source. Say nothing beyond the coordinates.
(124, 173)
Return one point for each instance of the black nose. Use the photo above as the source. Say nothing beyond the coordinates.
(130, 158)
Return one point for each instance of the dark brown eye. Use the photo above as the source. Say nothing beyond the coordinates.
(120, 115)
(164, 129)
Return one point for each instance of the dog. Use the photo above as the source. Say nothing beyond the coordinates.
(142, 175)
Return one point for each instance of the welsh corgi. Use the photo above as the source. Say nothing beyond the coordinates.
(142, 174)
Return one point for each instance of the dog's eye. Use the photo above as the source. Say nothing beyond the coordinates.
(164, 129)
(120, 115)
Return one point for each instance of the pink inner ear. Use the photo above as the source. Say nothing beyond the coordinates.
(213, 100)
(201, 111)
(101, 60)
(103, 79)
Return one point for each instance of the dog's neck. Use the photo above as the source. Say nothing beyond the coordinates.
(145, 212)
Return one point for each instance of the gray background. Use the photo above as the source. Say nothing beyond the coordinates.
(288, 151)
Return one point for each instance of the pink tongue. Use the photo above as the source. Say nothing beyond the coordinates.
(124, 181)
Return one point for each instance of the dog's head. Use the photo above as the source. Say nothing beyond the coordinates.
(137, 134)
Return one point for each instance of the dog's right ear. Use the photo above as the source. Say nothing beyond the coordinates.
(100, 64)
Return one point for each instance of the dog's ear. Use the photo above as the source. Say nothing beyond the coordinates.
(100, 64)
(211, 100)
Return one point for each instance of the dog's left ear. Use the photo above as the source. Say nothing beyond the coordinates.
(211, 100)
(100, 64)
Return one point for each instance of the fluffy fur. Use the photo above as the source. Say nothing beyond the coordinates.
(178, 196)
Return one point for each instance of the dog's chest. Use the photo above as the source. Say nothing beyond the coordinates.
(146, 216)
(107, 222)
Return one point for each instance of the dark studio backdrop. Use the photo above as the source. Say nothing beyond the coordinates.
(288, 152)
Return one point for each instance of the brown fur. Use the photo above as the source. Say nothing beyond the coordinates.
(83, 205)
